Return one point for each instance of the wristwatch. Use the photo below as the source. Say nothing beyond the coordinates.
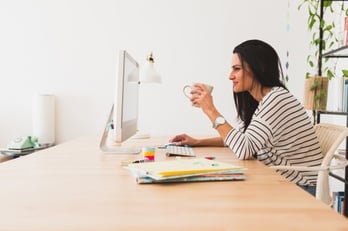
(219, 121)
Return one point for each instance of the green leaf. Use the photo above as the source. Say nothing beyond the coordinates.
(327, 3)
(345, 73)
(329, 74)
(328, 28)
(332, 44)
(322, 23)
(311, 64)
(311, 23)
(316, 41)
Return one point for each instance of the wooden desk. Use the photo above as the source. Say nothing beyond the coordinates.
(75, 187)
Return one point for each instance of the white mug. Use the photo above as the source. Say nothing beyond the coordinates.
(188, 88)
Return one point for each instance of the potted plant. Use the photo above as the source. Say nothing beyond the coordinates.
(324, 38)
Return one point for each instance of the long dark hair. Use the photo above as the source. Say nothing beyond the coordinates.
(265, 65)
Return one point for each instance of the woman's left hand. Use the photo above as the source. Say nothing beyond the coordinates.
(202, 97)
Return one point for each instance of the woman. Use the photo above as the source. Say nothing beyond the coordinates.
(275, 127)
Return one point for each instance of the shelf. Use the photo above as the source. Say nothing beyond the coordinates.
(338, 178)
(344, 179)
(341, 52)
(333, 112)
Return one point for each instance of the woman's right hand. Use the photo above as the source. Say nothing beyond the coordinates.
(183, 139)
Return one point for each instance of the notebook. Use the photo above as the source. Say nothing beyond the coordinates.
(179, 168)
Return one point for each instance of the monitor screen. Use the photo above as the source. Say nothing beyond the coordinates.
(126, 115)
(123, 119)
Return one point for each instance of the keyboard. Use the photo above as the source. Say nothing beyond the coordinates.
(176, 150)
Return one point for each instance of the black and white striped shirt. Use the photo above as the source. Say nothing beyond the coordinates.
(280, 133)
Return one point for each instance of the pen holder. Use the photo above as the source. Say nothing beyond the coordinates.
(149, 153)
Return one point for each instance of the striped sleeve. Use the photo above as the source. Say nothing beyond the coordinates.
(246, 145)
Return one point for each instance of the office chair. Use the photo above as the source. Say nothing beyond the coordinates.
(330, 137)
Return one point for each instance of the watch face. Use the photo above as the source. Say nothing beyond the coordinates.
(220, 120)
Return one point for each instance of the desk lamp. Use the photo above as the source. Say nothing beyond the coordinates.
(148, 74)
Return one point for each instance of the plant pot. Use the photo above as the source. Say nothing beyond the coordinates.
(316, 93)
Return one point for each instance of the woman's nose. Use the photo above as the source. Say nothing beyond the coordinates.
(231, 76)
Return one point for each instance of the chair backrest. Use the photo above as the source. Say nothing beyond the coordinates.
(330, 137)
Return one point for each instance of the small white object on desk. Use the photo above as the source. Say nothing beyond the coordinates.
(44, 119)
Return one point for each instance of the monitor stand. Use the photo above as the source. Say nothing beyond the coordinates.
(110, 147)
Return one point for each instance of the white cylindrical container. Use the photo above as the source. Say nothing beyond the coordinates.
(44, 119)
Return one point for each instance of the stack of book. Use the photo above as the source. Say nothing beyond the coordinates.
(185, 170)
(338, 201)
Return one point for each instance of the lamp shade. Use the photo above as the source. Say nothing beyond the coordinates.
(148, 73)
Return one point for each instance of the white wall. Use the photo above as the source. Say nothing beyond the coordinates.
(69, 47)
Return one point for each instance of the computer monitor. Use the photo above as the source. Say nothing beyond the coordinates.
(123, 119)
